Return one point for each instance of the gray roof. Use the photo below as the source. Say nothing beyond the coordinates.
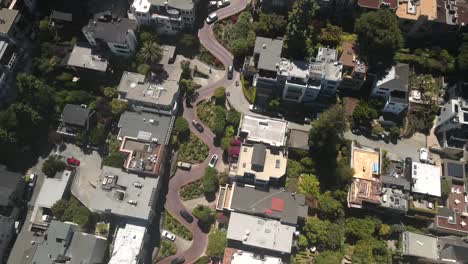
(418, 245)
(252, 201)
(454, 169)
(131, 124)
(83, 56)
(397, 78)
(179, 4)
(326, 55)
(8, 16)
(168, 53)
(453, 248)
(54, 247)
(260, 232)
(9, 182)
(113, 31)
(75, 115)
(298, 139)
(270, 52)
(6, 233)
(258, 155)
(57, 15)
(46, 198)
(400, 181)
(86, 249)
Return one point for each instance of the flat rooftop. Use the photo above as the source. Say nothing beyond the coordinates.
(272, 163)
(365, 162)
(363, 190)
(59, 184)
(394, 199)
(275, 203)
(9, 17)
(426, 179)
(452, 221)
(456, 198)
(268, 131)
(84, 57)
(260, 232)
(127, 244)
(409, 10)
(454, 169)
(270, 53)
(233, 256)
(117, 192)
(298, 139)
(146, 126)
(418, 245)
(143, 156)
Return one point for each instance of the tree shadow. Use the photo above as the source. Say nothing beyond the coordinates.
(210, 197)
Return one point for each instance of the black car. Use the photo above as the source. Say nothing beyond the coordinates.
(178, 260)
(188, 217)
(197, 125)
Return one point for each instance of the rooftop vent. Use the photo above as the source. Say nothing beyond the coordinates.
(264, 46)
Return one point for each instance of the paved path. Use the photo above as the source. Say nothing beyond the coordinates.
(173, 202)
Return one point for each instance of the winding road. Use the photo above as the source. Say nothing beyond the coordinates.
(181, 178)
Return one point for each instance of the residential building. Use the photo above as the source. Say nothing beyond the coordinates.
(366, 188)
(169, 17)
(12, 187)
(236, 256)
(145, 137)
(15, 28)
(252, 233)
(127, 244)
(60, 183)
(260, 130)
(425, 189)
(395, 189)
(60, 20)
(451, 127)
(452, 12)
(301, 83)
(394, 89)
(7, 233)
(123, 194)
(354, 70)
(419, 248)
(84, 57)
(63, 243)
(110, 32)
(414, 10)
(74, 119)
(454, 171)
(260, 165)
(288, 208)
(331, 70)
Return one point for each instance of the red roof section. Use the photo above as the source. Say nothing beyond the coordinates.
(277, 204)
(458, 223)
(456, 198)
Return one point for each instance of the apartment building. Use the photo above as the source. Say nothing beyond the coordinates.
(169, 17)
(354, 70)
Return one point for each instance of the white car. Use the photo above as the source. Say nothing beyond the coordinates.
(211, 18)
(32, 180)
(223, 3)
(213, 161)
(423, 155)
(168, 235)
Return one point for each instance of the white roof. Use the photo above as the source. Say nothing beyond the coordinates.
(247, 257)
(426, 179)
(260, 129)
(127, 244)
(260, 232)
(48, 198)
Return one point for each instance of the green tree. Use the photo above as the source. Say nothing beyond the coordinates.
(59, 208)
(110, 92)
(233, 117)
(118, 106)
(219, 120)
(241, 35)
(186, 71)
(371, 250)
(150, 53)
(270, 25)
(323, 234)
(379, 37)
(445, 186)
(143, 69)
(220, 96)
(181, 127)
(76, 213)
(146, 36)
(210, 180)
(188, 87)
(328, 257)
(330, 208)
(98, 135)
(274, 103)
(299, 31)
(363, 113)
(204, 214)
(359, 228)
(217, 242)
(384, 230)
(394, 132)
(294, 169)
(35, 93)
(330, 35)
(115, 160)
(52, 165)
(187, 41)
(309, 185)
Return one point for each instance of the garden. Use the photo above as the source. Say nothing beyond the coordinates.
(171, 224)
(192, 190)
(193, 151)
(166, 249)
(206, 57)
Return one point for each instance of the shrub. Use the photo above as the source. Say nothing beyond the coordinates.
(52, 165)
(210, 180)
(115, 160)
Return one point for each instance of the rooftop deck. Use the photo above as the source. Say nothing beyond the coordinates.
(456, 198)
(364, 191)
(145, 157)
(408, 10)
(366, 163)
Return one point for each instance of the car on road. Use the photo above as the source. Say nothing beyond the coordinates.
(168, 235)
(188, 217)
(178, 260)
(230, 72)
(213, 161)
(184, 165)
(197, 125)
(223, 3)
(73, 162)
(211, 18)
(423, 154)
(32, 180)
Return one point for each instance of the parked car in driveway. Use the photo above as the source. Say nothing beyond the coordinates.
(72, 161)
(423, 155)
(178, 260)
(184, 165)
(213, 161)
(32, 180)
(211, 18)
(186, 215)
(223, 3)
(197, 126)
(230, 72)
(168, 235)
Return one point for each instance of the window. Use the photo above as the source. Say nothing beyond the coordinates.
(277, 165)
(118, 46)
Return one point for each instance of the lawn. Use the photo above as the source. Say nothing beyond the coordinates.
(193, 151)
(167, 249)
(192, 190)
(171, 224)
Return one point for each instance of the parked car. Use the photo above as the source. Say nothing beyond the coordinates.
(46, 218)
(223, 3)
(72, 161)
(184, 165)
(197, 126)
(423, 154)
(32, 180)
(213, 161)
(230, 71)
(188, 217)
(212, 4)
(168, 235)
(211, 18)
(178, 260)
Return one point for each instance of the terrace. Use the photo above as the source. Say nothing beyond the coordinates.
(413, 11)
(456, 198)
(143, 156)
(452, 222)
